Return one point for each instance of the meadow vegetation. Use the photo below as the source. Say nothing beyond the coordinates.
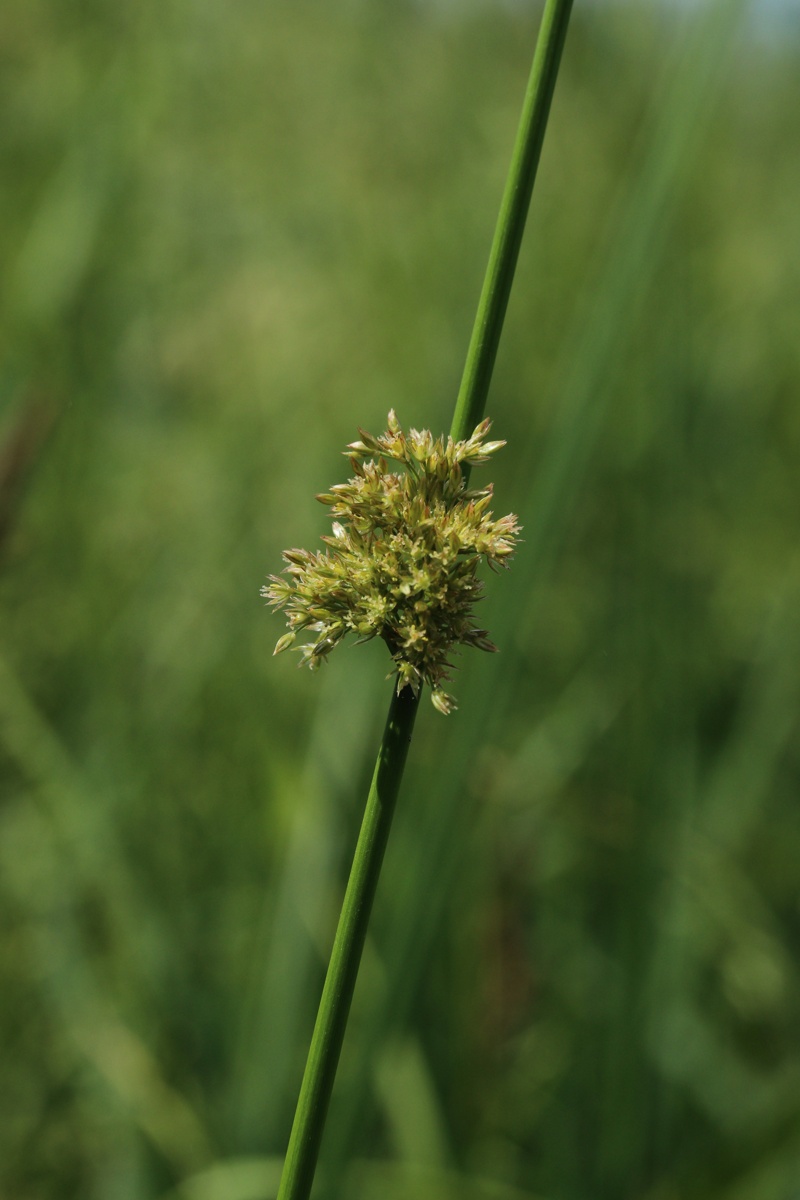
(231, 236)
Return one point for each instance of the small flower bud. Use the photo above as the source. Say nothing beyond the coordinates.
(283, 643)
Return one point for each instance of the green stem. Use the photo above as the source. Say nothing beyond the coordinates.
(326, 1043)
(471, 402)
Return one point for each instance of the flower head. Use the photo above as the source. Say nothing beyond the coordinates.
(402, 558)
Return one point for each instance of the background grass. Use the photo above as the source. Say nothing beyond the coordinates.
(230, 235)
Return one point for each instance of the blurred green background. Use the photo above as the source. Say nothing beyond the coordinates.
(230, 235)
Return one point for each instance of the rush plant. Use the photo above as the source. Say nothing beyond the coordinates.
(401, 564)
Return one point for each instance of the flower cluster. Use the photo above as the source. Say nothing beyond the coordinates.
(403, 556)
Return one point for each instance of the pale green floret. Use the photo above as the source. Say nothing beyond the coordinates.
(403, 557)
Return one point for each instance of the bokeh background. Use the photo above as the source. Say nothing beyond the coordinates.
(231, 233)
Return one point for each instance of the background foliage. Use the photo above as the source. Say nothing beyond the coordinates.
(231, 235)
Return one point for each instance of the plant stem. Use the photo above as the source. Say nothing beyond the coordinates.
(471, 402)
(326, 1042)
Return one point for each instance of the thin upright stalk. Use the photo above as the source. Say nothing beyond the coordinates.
(471, 402)
(326, 1042)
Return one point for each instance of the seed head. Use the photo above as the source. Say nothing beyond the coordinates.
(402, 558)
